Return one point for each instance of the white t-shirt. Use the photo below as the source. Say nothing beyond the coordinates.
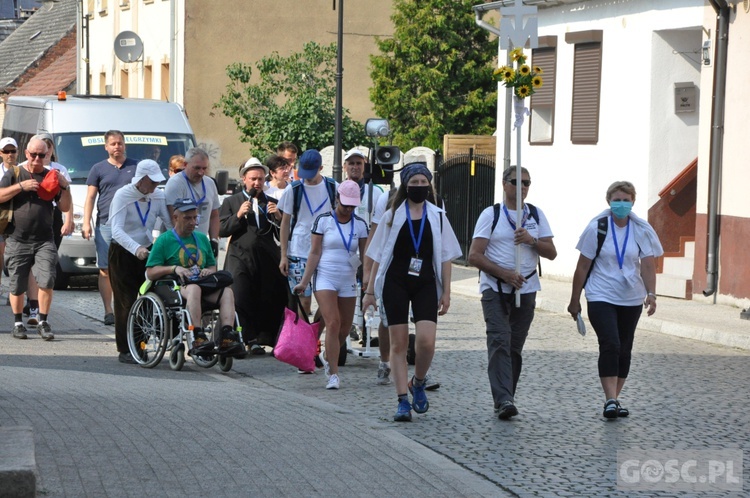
(315, 201)
(274, 192)
(501, 249)
(607, 282)
(335, 256)
(204, 194)
(379, 210)
(377, 193)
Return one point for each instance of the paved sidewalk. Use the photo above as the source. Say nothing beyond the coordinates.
(698, 320)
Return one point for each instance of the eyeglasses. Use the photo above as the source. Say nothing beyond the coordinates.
(525, 183)
(10, 151)
(39, 155)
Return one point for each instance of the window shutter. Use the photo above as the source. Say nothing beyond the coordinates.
(587, 74)
(542, 107)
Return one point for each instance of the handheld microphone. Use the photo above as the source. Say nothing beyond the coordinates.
(252, 192)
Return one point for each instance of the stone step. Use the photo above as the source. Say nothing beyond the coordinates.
(17, 462)
(674, 286)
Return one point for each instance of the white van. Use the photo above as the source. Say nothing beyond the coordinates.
(153, 129)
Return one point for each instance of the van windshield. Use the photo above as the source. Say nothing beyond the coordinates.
(80, 151)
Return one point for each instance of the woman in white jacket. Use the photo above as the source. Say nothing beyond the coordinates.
(412, 252)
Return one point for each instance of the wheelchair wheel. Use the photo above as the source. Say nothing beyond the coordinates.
(148, 330)
(225, 363)
(177, 357)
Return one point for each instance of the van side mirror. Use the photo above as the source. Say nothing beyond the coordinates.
(222, 181)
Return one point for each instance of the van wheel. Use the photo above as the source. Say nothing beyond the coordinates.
(62, 279)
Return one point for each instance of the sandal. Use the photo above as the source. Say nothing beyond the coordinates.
(622, 412)
(257, 350)
(610, 409)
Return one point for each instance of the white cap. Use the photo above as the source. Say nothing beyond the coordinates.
(354, 153)
(7, 141)
(149, 168)
(253, 162)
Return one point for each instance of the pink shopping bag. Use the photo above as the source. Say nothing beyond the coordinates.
(298, 340)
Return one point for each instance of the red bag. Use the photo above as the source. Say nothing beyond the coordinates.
(298, 340)
(49, 187)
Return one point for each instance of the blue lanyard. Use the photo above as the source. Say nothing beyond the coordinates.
(141, 215)
(307, 200)
(523, 220)
(190, 188)
(341, 232)
(416, 241)
(193, 257)
(620, 255)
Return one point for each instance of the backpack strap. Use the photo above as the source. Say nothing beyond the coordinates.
(601, 234)
(296, 203)
(495, 217)
(533, 211)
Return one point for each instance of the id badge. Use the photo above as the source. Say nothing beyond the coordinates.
(415, 266)
(354, 261)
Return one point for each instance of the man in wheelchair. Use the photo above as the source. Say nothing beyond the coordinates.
(186, 255)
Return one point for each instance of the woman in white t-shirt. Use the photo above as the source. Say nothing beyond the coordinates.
(619, 283)
(332, 264)
(278, 171)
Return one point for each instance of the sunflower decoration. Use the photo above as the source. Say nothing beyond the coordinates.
(524, 79)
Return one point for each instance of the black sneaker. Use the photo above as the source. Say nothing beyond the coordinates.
(45, 331)
(19, 332)
(126, 358)
(506, 410)
(201, 344)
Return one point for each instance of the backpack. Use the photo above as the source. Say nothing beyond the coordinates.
(297, 200)
(601, 234)
(533, 212)
(6, 208)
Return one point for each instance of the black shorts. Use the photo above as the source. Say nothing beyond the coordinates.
(398, 293)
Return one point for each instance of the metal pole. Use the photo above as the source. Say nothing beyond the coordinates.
(508, 114)
(338, 139)
(519, 206)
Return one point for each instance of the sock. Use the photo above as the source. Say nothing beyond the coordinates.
(385, 364)
(418, 382)
(18, 317)
(34, 304)
(403, 397)
(42, 317)
(18, 323)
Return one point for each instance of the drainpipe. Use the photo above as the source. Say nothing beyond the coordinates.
(717, 142)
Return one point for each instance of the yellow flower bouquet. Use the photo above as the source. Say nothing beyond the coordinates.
(523, 79)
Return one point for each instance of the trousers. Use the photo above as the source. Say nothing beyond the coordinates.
(126, 274)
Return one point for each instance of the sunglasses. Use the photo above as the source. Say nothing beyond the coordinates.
(525, 183)
(39, 155)
(10, 151)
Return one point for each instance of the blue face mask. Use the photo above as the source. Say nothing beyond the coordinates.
(620, 209)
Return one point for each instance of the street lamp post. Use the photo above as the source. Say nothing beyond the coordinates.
(337, 137)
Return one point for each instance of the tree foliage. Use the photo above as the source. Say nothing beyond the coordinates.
(293, 99)
(434, 77)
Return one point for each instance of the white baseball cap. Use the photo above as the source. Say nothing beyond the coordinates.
(355, 153)
(149, 168)
(8, 141)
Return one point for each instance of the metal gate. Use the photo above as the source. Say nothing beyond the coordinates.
(466, 182)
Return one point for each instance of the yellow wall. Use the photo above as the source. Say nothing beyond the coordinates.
(219, 32)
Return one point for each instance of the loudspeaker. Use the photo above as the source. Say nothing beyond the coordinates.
(387, 155)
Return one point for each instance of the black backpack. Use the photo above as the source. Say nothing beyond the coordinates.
(601, 234)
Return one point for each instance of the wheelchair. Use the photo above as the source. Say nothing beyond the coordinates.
(159, 323)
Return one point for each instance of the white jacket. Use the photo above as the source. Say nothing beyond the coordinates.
(444, 243)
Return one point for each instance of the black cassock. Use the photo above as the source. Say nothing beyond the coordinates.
(260, 290)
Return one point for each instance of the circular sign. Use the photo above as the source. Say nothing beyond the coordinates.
(128, 46)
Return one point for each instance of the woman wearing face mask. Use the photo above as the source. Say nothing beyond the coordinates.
(619, 281)
(412, 252)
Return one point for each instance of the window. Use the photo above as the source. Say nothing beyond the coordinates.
(542, 107)
(124, 83)
(102, 83)
(90, 8)
(164, 81)
(587, 77)
(124, 4)
(147, 81)
(101, 7)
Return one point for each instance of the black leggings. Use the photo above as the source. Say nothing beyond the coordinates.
(615, 327)
(399, 292)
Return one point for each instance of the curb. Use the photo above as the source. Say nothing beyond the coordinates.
(17, 463)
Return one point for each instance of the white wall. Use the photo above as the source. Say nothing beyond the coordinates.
(569, 181)
(152, 22)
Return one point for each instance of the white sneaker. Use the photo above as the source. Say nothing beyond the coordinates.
(333, 382)
(326, 366)
(384, 373)
(33, 317)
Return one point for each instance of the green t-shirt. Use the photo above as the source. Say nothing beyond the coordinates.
(167, 251)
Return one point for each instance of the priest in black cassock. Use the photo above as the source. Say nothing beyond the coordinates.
(250, 219)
